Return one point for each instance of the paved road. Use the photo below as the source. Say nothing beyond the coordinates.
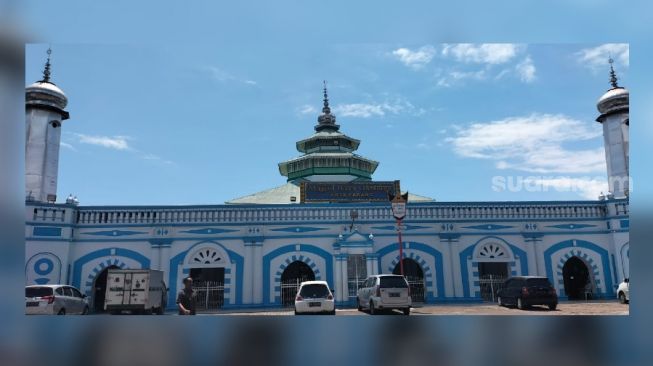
(610, 307)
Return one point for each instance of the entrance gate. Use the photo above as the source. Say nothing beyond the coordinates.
(490, 285)
(100, 289)
(296, 273)
(576, 277)
(415, 277)
(208, 284)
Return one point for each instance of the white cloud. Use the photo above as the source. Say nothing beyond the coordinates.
(110, 142)
(589, 188)
(156, 158)
(366, 110)
(359, 110)
(67, 146)
(415, 59)
(456, 77)
(307, 109)
(487, 53)
(532, 143)
(597, 57)
(526, 70)
(221, 75)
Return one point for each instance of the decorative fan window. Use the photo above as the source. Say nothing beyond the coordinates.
(206, 256)
(492, 251)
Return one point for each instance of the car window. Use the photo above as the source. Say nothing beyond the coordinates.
(393, 282)
(542, 282)
(314, 290)
(59, 291)
(67, 291)
(76, 292)
(38, 291)
(369, 282)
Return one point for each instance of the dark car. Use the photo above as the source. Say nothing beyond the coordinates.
(524, 291)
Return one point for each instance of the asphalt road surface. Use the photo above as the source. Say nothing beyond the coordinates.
(598, 307)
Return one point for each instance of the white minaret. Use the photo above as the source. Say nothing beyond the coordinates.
(44, 107)
(613, 106)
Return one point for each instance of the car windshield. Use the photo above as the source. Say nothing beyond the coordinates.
(393, 282)
(314, 291)
(542, 282)
(37, 291)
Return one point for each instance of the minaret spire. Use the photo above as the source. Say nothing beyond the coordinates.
(613, 75)
(46, 71)
(326, 108)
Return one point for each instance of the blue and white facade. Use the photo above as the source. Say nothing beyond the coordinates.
(254, 243)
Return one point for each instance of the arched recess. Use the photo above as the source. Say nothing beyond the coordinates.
(272, 274)
(489, 249)
(181, 264)
(594, 255)
(87, 267)
(423, 254)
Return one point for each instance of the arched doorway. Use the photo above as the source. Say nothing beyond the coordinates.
(415, 277)
(296, 273)
(576, 278)
(100, 289)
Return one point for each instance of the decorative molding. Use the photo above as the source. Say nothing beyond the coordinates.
(488, 227)
(114, 233)
(207, 231)
(298, 229)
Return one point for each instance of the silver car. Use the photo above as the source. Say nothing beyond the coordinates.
(384, 292)
(54, 299)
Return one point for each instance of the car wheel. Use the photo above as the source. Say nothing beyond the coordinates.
(296, 313)
(520, 304)
(372, 311)
(407, 311)
(553, 306)
(358, 303)
(62, 312)
(622, 298)
(333, 312)
(85, 312)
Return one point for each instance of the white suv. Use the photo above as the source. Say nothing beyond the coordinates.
(384, 292)
(54, 299)
(314, 297)
(623, 292)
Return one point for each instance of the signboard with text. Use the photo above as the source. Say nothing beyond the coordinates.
(347, 191)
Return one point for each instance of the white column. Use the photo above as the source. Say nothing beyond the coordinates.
(455, 268)
(257, 284)
(343, 277)
(449, 271)
(368, 263)
(248, 274)
(337, 280)
(532, 259)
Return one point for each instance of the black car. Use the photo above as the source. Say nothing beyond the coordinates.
(524, 291)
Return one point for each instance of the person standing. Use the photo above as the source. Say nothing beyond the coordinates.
(187, 298)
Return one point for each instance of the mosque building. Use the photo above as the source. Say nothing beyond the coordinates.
(331, 221)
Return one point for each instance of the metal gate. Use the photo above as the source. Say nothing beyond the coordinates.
(210, 295)
(289, 290)
(417, 287)
(353, 286)
(490, 285)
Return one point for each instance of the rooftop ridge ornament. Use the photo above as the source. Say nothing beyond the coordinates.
(613, 75)
(46, 71)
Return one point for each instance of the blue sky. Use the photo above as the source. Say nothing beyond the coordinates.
(176, 123)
